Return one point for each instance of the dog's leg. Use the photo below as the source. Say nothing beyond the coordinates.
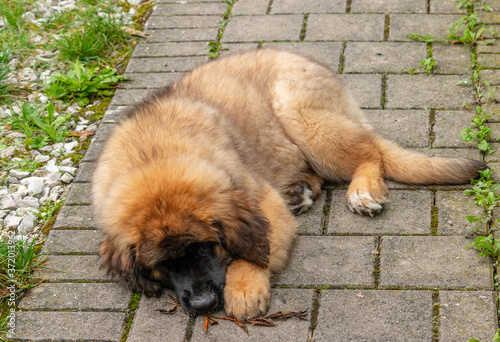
(367, 190)
(301, 194)
(247, 290)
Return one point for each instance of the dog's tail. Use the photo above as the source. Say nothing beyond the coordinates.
(411, 167)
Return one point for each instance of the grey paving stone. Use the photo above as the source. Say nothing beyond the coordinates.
(495, 130)
(84, 173)
(171, 49)
(208, 8)
(151, 325)
(453, 207)
(311, 6)
(388, 6)
(76, 296)
(436, 25)
(104, 131)
(74, 217)
(448, 128)
(451, 59)
(164, 64)
(327, 53)
(330, 261)
(250, 7)
(366, 88)
(93, 152)
(493, 4)
(311, 222)
(263, 28)
(489, 60)
(289, 330)
(370, 57)
(466, 315)
(426, 91)
(408, 128)
(495, 156)
(495, 175)
(345, 27)
(489, 17)
(69, 326)
(113, 114)
(192, 21)
(493, 109)
(493, 94)
(73, 241)
(490, 48)
(407, 212)
(432, 262)
(79, 194)
(182, 35)
(354, 315)
(126, 97)
(491, 75)
(445, 6)
(73, 268)
(152, 80)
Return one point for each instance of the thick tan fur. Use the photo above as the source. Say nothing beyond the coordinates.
(229, 145)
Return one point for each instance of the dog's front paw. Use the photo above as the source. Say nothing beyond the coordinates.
(247, 290)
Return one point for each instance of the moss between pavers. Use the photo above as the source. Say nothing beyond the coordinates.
(132, 307)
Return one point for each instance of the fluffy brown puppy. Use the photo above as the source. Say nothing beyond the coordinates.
(194, 189)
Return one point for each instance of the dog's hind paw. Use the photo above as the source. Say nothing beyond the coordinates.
(247, 290)
(363, 204)
(300, 198)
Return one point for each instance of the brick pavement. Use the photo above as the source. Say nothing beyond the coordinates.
(402, 276)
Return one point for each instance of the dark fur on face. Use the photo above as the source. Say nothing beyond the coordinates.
(197, 276)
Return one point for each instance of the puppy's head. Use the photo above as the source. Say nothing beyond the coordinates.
(180, 232)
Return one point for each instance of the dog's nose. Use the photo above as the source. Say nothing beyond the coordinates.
(204, 302)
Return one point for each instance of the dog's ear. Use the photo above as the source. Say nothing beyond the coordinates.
(245, 232)
(122, 262)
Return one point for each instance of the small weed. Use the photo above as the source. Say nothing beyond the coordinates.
(496, 338)
(38, 128)
(487, 246)
(410, 71)
(479, 132)
(426, 38)
(47, 210)
(215, 47)
(82, 84)
(485, 191)
(468, 29)
(23, 164)
(428, 65)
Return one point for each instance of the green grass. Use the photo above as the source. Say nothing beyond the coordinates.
(94, 35)
(19, 262)
(5, 72)
(39, 124)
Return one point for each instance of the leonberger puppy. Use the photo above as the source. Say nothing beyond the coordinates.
(195, 189)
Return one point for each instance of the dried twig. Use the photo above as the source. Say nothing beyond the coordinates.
(267, 320)
(173, 310)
